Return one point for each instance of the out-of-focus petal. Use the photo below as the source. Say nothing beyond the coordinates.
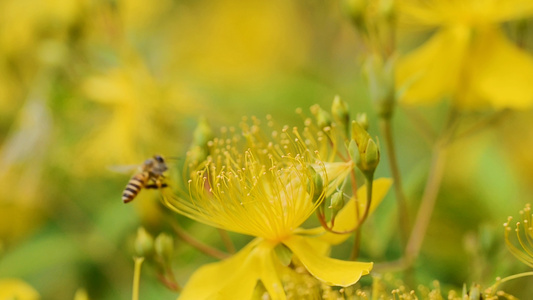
(233, 278)
(17, 289)
(499, 73)
(331, 271)
(507, 10)
(432, 71)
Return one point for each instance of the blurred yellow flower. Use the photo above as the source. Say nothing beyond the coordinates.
(262, 187)
(23, 157)
(143, 109)
(229, 41)
(17, 289)
(468, 58)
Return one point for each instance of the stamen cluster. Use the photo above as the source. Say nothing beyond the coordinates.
(524, 235)
(252, 183)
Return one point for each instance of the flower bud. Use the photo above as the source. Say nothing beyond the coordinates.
(362, 120)
(387, 10)
(380, 80)
(356, 11)
(202, 134)
(363, 150)
(323, 118)
(144, 243)
(164, 247)
(337, 202)
(318, 184)
(340, 112)
(197, 154)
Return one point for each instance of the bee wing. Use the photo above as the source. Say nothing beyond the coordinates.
(124, 169)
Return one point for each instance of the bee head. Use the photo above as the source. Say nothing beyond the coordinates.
(159, 158)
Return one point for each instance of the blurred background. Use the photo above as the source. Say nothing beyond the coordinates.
(86, 85)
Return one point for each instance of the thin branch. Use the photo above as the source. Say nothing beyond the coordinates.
(206, 249)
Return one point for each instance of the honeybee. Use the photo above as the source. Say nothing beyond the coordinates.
(150, 177)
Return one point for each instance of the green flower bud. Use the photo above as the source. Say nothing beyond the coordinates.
(197, 154)
(318, 184)
(340, 112)
(372, 155)
(354, 152)
(356, 10)
(323, 118)
(144, 243)
(164, 247)
(380, 80)
(363, 150)
(202, 134)
(362, 120)
(337, 202)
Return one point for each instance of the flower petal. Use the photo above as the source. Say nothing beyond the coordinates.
(498, 73)
(268, 273)
(233, 278)
(17, 289)
(431, 72)
(331, 271)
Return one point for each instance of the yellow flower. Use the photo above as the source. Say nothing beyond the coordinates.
(17, 289)
(468, 58)
(262, 187)
(141, 108)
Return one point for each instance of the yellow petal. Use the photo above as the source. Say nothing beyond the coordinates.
(329, 270)
(499, 73)
(345, 218)
(268, 272)
(17, 289)
(432, 71)
(233, 278)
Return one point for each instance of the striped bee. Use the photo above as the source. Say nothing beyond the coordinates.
(150, 177)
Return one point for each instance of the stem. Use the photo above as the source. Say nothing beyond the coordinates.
(206, 249)
(136, 277)
(356, 244)
(428, 203)
(482, 124)
(226, 240)
(403, 217)
(369, 180)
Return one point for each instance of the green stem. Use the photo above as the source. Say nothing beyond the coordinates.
(136, 277)
(226, 240)
(206, 249)
(369, 180)
(431, 191)
(427, 205)
(356, 244)
(403, 217)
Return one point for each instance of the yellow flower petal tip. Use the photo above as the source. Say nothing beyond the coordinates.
(329, 270)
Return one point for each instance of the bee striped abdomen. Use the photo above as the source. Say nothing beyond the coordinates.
(134, 186)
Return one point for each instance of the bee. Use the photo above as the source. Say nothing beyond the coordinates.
(150, 177)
